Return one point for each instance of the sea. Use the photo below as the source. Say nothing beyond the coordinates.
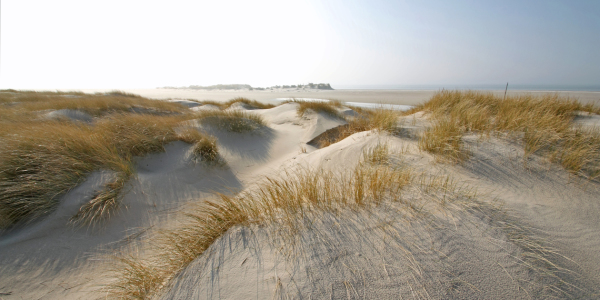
(525, 87)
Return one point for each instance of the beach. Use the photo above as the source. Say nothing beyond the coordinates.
(309, 199)
(401, 97)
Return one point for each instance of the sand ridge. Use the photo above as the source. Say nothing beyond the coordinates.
(378, 254)
(382, 252)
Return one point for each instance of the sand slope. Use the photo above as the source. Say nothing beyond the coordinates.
(462, 249)
(51, 259)
(382, 254)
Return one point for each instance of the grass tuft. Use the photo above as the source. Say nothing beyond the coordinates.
(381, 120)
(120, 94)
(444, 140)
(377, 155)
(545, 123)
(205, 146)
(40, 159)
(234, 120)
(284, 202)
(329, 107)
(251, 103)
(138, 279)
(105, 203)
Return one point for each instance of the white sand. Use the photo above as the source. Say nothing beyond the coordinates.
(588, 120)
(371, 254)
(378, 255)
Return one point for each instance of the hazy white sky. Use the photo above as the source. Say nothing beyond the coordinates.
(146, 44)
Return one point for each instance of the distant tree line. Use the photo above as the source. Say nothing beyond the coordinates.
(320, 86)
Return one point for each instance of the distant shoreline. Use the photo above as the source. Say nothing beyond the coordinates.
(519, 87)
(399, 97)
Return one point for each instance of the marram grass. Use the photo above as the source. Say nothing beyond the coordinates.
(231, 120)
(284, 201)
(380, 120)
(545, 123)
(252, 104)
(328, 107)
(41, 159)
(204, 146)
(289, 204)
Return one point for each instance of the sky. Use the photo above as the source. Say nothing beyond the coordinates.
(63, 44)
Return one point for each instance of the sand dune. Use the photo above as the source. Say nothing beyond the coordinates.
(532, 230)
(380, 253)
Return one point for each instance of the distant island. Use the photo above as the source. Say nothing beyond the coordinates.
(318, 86)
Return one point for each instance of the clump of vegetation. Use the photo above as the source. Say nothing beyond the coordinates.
(546, 124)
(444, 139)
(94, 104)
(253, 104)
(104, 203)
(232, 120)
(329, 107)
(293, 203)
(205, 146)
(377, 155)
(42, 159)
(380, 119)
(206, 150)
(284, 202)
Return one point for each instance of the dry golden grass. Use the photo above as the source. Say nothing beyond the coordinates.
(444, 140)
(291, 203)
(103, 204)
(380, 119)
(329, 107)
(253, 104)
(232, 120)
(205, 146)
(577, 150)
(93, 104)
(546, 124)
(281, 202)
(379, 154)
(220, 105)
(42, 159)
